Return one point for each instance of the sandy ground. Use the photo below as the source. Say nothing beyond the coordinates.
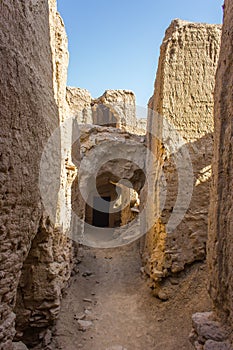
(121, 308)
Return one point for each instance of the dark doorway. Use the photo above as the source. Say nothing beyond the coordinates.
(101, 211)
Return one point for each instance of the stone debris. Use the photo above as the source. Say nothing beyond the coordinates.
(207, 328)
(214, 345)
(208, 332)
(19, 346)
(80, 316)
(116, 347)
(75, 269)
(88, 312)
(47, 338)
(84, 325)
(89, 316)
(162, 295)
(87, 273)
(142, 270)
(86, 300)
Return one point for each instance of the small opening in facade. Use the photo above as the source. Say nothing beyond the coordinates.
(101, 212)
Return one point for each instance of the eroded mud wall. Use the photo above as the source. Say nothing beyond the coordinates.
(220, 244)
(183, 96)
(29, 114)
(35, 253)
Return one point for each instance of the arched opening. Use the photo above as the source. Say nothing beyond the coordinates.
(99, 210)
(116, 202)
(107, 181)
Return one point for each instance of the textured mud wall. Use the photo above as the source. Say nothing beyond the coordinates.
(115, 107)
(60, 57)
(79, 105)
(220, 244)
(48, 265)
(184, 97)
(28, 114)
(141, 126)
(33, 79)
(213, 330)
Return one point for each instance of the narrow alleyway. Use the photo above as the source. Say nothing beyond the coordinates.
(109, 305)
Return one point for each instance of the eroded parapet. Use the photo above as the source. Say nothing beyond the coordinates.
(183, 97)
(79, 105)
(115, 108)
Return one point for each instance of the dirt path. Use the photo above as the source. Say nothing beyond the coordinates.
(122, 312)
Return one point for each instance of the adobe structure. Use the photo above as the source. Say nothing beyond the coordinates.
(180, 125)
(36, 254)
(213, 330)
(116, 108)
(48, 164)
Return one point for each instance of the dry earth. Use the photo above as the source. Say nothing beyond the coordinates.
(123, 312)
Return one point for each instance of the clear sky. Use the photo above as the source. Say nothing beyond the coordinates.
(114, 44)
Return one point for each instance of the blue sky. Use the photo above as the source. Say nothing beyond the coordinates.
(115, 44)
